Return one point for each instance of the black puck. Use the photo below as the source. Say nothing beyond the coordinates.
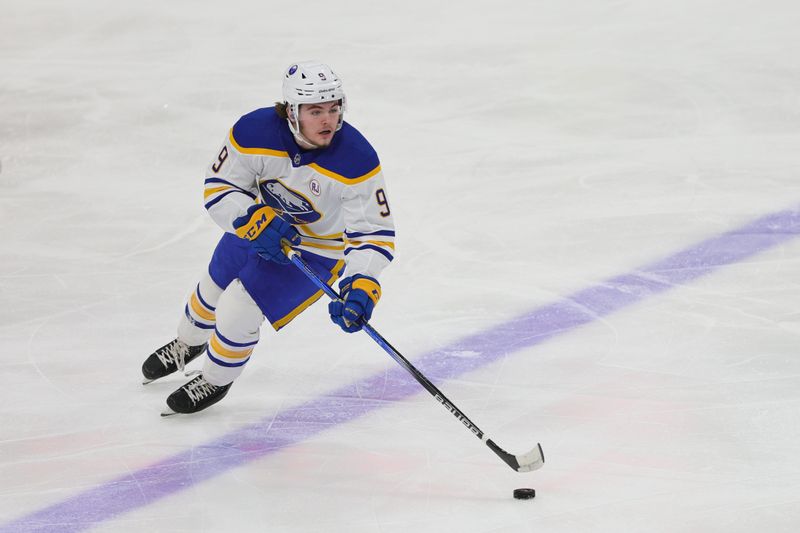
(524, 494)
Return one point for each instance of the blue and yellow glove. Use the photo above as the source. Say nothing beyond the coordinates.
(265, 230)
(359, 296)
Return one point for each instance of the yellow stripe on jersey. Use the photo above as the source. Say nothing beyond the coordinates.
(201, 311)
(256, 151)
(322, 246)
(225, 352)
(215, 190)
(377, 243)
(307, 231)
(339, 177)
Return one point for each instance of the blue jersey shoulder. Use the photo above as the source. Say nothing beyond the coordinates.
(350, 156)
(259, 129)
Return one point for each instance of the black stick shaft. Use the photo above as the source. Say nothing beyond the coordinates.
(535, 460)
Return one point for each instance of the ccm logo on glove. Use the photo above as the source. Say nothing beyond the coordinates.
(255, 222)
(266, 230)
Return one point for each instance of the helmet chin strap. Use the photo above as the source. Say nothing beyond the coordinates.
(295, 128)
(303, 142)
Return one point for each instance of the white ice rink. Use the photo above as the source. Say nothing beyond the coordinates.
(598, 212)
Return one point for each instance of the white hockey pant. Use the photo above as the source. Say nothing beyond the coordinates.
(239, 320)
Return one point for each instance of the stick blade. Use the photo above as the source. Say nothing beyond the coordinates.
(533, 460)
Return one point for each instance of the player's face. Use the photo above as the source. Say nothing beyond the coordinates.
(318, 122)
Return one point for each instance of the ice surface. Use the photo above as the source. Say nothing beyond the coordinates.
(597, 209)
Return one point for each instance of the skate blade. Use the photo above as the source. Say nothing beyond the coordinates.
(168, 412)
(188, 374)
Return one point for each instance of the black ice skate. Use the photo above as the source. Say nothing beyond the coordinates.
(195, 396)
(169, 358)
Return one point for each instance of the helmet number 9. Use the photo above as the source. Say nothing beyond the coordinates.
(380, 196)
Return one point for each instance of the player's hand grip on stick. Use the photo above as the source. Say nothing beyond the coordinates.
(359, 295)
(267, 232)
(533, 460)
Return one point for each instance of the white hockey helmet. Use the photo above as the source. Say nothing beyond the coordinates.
(311, 82)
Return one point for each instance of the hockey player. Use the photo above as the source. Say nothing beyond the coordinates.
(294, 173)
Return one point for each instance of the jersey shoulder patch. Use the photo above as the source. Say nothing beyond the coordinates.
(351, 160)
(258, 133)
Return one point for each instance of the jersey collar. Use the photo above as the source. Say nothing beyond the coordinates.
(298, 156)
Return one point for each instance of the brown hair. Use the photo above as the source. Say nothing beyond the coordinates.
(280, 109)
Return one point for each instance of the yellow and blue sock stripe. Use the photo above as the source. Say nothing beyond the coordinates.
(199, 312)
(228, 353)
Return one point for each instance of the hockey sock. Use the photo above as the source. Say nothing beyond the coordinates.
(235, 336)
(199, 315)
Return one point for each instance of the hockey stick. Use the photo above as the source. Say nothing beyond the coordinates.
(533, 460)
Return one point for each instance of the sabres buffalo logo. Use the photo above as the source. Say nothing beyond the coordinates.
(290, 204)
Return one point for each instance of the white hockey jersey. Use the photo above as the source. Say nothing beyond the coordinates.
(335, 197)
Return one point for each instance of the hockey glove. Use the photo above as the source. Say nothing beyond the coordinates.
(265, 230)
(359, 296)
